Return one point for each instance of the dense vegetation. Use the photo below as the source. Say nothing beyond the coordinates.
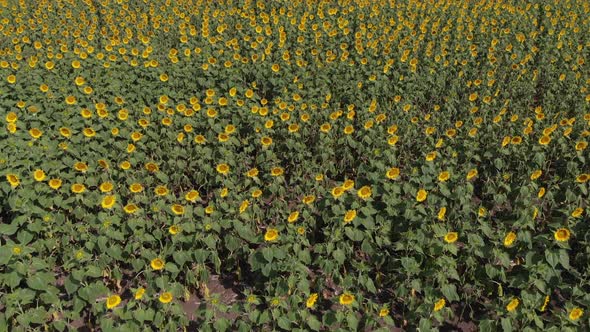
(294, 165)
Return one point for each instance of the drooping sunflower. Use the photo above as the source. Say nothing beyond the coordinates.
(512, 305)
(438, 305)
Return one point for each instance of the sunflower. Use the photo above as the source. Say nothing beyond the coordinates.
(78, 188)
(35, 133)
(222, 169)
(348, 184)
(562, 234)
(192, 196)
(108, 202)
(152, 167)
(431, 156)
(55, 184)
(544, 140)
(471, 174)
(536, 174)
(580, 146)
(157, 263)
(244, 205)
(113, 301)
(325, 128)
(11, 117)
(451, 237)
(165, 297)
(582, 178)
(577, 212)
(348, 130)
(136, 188)
(441, 213)
(512, 305)
(200, 139)
(509, 239)
(444, 176)
(308, 199)
(106, 187)
(421, 195)
(346, 299)
(293, 216)
(130, 208)
(70, 100)
(252, 172)
(39, 175)
(271, 235)
(575, 313)
(337, 192)
(161, 191)
(13, 180)
(266, 141)
(222, 137)
(103, 163)
(545, 302)
(139, 293)
(438, 305)
(277, 171)
(81, 167)
(311, 300)
(177, 209)
(392, 173)
(349, 216)
(364, 192)
(174, 229)
(516, 140)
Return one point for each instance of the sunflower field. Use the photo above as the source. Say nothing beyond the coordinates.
(302, 165)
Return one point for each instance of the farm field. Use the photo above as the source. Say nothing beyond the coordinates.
(240, 165)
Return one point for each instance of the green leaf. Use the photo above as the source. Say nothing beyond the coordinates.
(450, 292)
(339, 256)
(425, 325)
(284, 323)
(552, 258)
(8, 229)
(314, 323)
(564, 259)
(39, 281)
(352, 321)
(506, 324)
(221, 324)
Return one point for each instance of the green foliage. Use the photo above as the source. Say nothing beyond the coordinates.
(294, 166)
